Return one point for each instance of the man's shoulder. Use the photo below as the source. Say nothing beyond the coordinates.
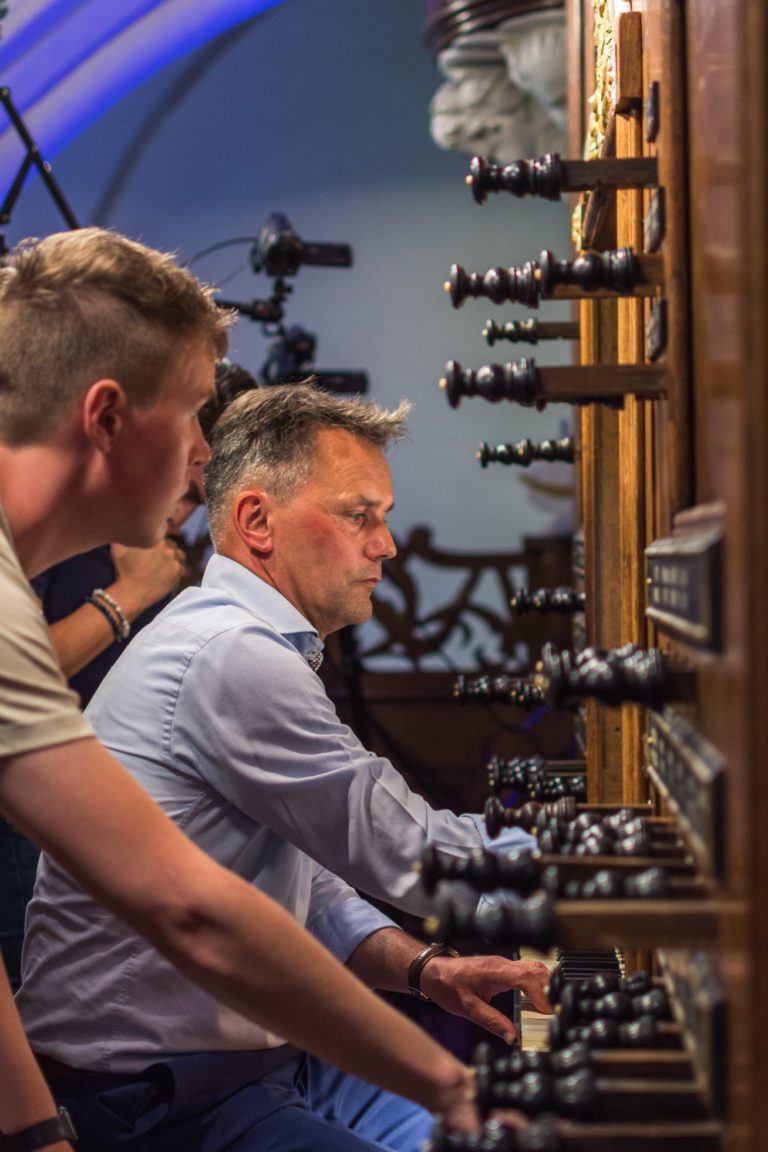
(208, 625)
(210, 611)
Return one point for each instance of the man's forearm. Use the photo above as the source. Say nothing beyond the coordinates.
(80, 637)
(383, 959)
(25, 1098)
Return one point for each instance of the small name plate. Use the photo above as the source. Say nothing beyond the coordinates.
(690, 773)
(699, 1005)
(684, 587)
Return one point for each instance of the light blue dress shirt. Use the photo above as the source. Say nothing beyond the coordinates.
(215, 710)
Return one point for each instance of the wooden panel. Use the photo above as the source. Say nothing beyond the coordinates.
(665, 67)
(727, 152)
(600, 512)
(705, 443)
(632, 421)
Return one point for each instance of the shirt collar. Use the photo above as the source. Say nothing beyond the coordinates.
(266, 603)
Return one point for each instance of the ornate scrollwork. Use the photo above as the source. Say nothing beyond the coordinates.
(414, 632)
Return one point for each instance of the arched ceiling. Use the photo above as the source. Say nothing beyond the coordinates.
(65, 62)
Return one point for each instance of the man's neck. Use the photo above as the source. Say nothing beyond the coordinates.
(39, 492)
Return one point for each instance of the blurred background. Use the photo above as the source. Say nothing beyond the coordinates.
(186, 123)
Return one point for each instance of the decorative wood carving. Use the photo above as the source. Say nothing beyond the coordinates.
(414, 632)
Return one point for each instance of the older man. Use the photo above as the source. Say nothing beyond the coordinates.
(217, 710)
(106, 358)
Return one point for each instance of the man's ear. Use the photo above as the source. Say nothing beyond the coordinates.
(252, 519)
(103, 413)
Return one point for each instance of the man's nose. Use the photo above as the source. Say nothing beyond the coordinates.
(382, 546)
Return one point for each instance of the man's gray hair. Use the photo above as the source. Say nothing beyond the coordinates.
(268, 438)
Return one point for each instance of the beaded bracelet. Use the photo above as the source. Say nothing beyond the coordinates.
(107, 616)
(121, 618)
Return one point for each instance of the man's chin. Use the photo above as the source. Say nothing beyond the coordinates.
(143, 536)
(364, 613)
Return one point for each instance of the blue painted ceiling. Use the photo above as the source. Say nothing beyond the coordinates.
(65, 62)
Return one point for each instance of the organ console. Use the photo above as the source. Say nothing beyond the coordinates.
(662, 859)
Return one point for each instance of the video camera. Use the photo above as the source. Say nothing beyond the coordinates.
(279, 253)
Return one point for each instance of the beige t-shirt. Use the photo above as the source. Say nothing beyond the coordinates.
(37, 708)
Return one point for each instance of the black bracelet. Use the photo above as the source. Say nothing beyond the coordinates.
(107, 616)
(41, 1135)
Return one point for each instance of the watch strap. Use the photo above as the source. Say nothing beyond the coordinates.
(40, 1135)
(416, 967)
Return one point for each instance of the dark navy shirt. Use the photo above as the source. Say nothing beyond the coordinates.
(65, 587)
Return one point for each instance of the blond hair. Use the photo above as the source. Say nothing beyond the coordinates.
(86, 305)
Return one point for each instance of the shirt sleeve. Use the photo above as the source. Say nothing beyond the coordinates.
(273, 745)
(340, 919)
(37, 708)
(508, 840)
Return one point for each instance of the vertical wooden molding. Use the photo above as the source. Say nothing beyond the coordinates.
(599, 471)
(632, 420)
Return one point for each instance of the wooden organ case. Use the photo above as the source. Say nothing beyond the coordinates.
(669, 666)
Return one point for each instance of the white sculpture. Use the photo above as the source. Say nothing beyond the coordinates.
(505, 89)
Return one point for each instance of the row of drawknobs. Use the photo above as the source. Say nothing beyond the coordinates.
(613, 273)
(563, 679)
(617, 272)
(600, 874)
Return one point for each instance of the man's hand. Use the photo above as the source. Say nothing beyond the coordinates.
(465, 985)
(145, 575)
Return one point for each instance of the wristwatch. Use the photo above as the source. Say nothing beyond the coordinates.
(416, 967)
(40, 1135)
